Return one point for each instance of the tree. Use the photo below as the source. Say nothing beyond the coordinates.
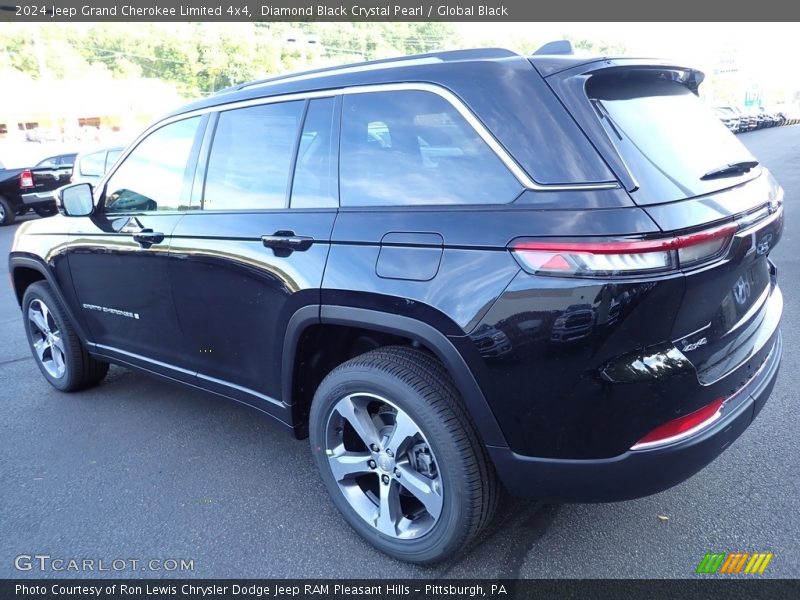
(201, 58)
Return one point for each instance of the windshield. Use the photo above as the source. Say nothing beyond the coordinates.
(667, 137)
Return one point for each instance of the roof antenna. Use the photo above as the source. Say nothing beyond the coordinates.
(557, 47)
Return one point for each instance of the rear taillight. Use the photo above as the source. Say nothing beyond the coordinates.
(26, 179)
(682, 427)
(592, 258)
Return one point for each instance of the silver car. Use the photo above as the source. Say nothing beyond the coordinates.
(90, 166)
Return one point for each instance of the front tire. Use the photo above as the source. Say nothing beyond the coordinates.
(56, 347)
(399, 455)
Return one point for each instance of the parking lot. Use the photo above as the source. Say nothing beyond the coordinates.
(138, 468)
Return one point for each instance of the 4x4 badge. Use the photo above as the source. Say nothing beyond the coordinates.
(695, 345)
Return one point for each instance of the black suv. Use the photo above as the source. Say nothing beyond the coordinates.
(454, 272)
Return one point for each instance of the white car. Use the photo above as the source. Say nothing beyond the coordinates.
(90, 166)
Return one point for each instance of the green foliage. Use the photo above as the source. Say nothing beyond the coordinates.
(201, 57)
(16, 49)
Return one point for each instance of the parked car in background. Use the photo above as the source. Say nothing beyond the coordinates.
(769, 119)
(42, 135)
(24, 189)
(778, 118)
(575, 323)
(758, 118)
(91, 166)
(59, 160)
(730, 119)
(742, 121)
(348, 251)
(491, 342)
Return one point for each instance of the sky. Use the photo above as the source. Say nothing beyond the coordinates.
(771, 49)
(764, 54)
(662, 39)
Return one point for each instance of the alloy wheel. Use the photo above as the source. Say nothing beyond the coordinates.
(48, 343)
(384, 466)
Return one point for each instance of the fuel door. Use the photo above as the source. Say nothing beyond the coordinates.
(410, 256)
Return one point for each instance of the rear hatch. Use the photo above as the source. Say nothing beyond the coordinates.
(691, 175)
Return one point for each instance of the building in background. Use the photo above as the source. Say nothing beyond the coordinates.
(85, 109)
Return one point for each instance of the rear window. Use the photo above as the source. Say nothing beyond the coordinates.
(47, 162)
(666, 135)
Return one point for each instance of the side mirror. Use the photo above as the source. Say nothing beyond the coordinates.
(76, 200)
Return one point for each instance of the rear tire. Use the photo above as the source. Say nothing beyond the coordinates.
(427, 488)
(56, 347)
(7, 212)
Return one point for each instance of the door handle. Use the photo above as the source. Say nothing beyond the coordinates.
(283, 243)
(148, 237)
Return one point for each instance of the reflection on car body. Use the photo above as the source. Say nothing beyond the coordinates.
(491, 342)
(575, 323)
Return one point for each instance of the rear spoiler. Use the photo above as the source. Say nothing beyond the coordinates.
(564, 64)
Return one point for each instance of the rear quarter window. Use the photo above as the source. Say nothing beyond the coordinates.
(405, 148)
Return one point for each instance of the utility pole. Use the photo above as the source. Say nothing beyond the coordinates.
(39, 52)
(44, 75)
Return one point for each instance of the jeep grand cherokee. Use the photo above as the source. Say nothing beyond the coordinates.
(454, 273)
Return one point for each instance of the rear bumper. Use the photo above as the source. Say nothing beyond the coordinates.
(38, 198)
(638, 473)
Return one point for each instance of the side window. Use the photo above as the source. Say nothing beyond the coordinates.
(251, 157)
(155, 176)
(92, 165)
(314, 183)
(414, 148)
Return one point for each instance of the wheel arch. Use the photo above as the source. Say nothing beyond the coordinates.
(26, 270)
(389, 324)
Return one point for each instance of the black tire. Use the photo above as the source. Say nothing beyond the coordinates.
(81, 370)
(7, 212)
(418, 384)
(45, 211)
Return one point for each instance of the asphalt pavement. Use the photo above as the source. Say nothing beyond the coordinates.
(138, 469)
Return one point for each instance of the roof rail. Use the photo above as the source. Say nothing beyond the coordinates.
(556, 47)
(432, 57)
